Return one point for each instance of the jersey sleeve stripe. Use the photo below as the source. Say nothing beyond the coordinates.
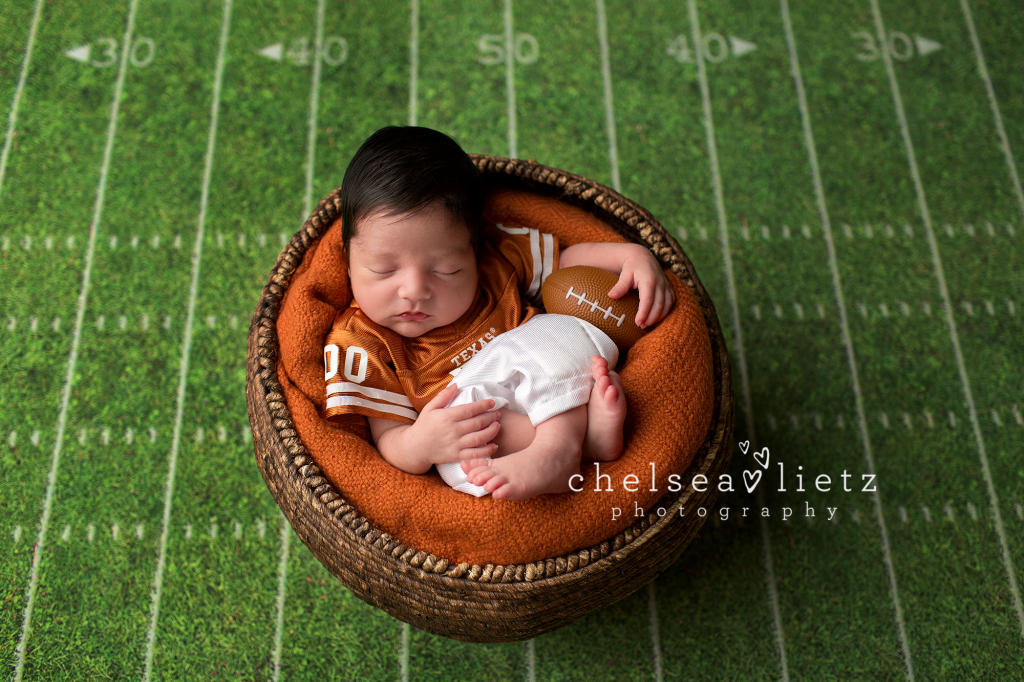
(512, 230)
(379, 394)
(537, 264)
(340, 400)
(542, 259)
(549, 257)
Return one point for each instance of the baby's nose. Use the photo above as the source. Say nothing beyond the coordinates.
(415, 287)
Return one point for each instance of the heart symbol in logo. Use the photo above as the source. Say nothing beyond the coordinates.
(744, 446)
(751, 479)
(762, 455)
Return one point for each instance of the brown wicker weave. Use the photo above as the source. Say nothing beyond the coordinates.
(479, 603)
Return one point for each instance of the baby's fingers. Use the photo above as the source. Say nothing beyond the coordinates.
(469, 464)
(461, 454)
(670, 300)
(445, 396)
(624, 284)
(480, 437)
(476, 423)
(461, 413)
(664, 298)
(479, 407)
(482, 452)
(659, 309)
(647, 300)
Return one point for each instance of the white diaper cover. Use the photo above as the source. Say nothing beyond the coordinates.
(539, 369)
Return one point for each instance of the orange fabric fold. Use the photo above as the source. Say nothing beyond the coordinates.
(669, 386)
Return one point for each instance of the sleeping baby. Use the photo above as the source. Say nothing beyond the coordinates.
(444, 348)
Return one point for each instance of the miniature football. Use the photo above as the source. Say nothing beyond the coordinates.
(582, 291)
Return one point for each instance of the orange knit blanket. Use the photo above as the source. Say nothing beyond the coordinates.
(669, 388)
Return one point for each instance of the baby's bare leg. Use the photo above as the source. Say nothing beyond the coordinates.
(542, 467)
(515, 433)
(606, 413)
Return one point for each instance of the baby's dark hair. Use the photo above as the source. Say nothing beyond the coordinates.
(405, 169)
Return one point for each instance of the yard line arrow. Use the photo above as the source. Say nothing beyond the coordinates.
(740, 46)
(80, 53)
(272, 51)
(925, 46)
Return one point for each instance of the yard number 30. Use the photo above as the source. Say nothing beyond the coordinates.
(900, 46)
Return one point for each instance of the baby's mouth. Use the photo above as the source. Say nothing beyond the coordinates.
(413, 316)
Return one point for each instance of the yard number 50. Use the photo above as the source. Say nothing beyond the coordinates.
(525, 49)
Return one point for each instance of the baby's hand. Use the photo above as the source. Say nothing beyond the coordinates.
(641, 271)
(452, 434)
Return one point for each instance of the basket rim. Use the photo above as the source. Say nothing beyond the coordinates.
(263, 388)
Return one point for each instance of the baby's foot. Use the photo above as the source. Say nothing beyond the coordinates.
(606, 413)
(523, 474)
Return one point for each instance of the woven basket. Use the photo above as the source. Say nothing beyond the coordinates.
(471, 602)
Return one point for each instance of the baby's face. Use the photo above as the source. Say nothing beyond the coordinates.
(412, 273)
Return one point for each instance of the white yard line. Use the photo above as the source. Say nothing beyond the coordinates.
(197, 255)
(414, 58)
(819, 193)
(652, 610)
(83, 297)
(404, 662)
(613, 160)
(1004, 142)
(716, 181)
(314, 98)
(12, 118)
(769, 577)
(414, 67)
(510, 83)
(609, 107)
(282, 578)
(954, 336)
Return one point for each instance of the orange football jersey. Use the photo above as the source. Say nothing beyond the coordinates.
(375, 372)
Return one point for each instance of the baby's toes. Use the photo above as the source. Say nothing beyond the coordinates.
(602, 385)
(502, 492)
(615, 380)
(480, 475)
(498, 487)
(615, 394)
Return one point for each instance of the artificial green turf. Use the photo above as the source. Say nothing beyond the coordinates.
(218, 609)
(12, 45)
(546, 88)
(469, 102)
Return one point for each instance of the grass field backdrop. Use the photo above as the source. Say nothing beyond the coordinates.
(842, 175)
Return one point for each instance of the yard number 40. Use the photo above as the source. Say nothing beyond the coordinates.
(492, 47)
(334, 51)
(714, 46)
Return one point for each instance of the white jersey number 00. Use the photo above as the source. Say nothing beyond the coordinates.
(331, 362)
